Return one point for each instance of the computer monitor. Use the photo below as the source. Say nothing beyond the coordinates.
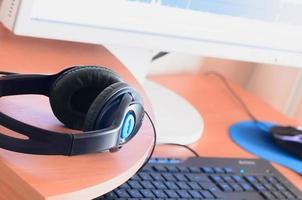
(262, 31)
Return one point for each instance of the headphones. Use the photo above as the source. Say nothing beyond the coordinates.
(89, 98)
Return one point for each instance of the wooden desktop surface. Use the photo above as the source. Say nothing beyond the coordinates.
(220, 110)
(82, 177)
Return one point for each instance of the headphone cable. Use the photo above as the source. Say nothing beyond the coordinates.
(154, 141)
(184, 146)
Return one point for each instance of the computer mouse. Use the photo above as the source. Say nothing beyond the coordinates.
(288, 138)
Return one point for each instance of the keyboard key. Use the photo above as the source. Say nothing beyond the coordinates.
(135, 193)
(217, 179)
(251, 179)
(147, 169)
(228, 179)
(183, 185)
(172, 169)
(216, 192)
(147, 185)
(198, 177)
(111, 195)
(280, 187)
(160, 193)
(236, 187)
(183, 169)
(246, 187)
(238, 179)
(184, 194)
(207, 186)
(225, 187)
(259, 187)
(207, 194)
(218, 170)
(169, 177)
(289, 195)
(135, 178)
(207, 170)
(262, 179)
(135, 185)
(121, 193)
(195, 194)
(159, 185)
(271, 179)
(157, 177)
(145, 176)
(171, 185)
(269, 187)
(125, 186)
(147, 193)
(195, 169)
(160, 168)
(228, 170)
(172, 194)
(180, 177)
(174, 161)
(194, 185)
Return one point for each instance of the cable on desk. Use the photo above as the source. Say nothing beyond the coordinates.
(184, 146)
(237, 97)
(262, 126)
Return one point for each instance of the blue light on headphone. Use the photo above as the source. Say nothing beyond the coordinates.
(128, 126)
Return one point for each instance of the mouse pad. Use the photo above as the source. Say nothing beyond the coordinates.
(255, 138)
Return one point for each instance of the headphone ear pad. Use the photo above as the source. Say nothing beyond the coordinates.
(73, 92)
(112, 93)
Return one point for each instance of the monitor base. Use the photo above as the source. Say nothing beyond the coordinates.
(177, 121)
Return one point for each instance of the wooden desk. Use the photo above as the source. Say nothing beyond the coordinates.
(35, 177)
(220, 110)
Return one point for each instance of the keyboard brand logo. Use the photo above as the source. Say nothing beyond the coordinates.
(246, 162)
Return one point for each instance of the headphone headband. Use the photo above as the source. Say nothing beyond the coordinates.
(17, 84)
(46, 142)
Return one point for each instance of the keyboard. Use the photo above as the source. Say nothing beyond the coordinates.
(206, 178)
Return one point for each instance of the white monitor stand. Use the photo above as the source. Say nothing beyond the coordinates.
(177, 121)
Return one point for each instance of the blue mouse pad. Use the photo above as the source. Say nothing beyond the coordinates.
(255, 138)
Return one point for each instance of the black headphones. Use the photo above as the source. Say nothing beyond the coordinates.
(88, 98)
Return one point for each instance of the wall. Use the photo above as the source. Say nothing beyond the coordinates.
(278, 86)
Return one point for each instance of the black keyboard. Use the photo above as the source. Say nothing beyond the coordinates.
(206, 178)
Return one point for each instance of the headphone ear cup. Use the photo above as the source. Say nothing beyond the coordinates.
(73, 92)
(100, 105)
